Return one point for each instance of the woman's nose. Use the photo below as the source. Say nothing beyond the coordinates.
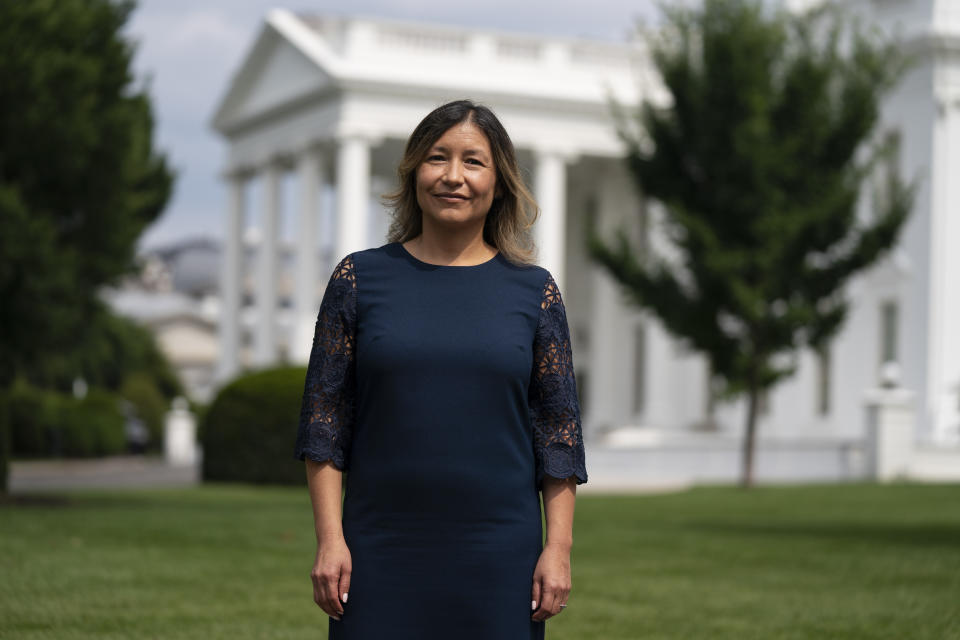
(454, 172)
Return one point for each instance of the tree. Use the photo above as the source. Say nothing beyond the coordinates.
(80, 179)
(758, 163)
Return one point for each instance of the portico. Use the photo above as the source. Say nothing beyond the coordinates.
(330, 104)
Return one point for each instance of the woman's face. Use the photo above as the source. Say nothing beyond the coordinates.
(456, 182)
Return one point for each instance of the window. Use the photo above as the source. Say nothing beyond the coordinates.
(639, 368)
(823, 380)
(888, 331)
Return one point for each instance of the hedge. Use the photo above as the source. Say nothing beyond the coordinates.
(93, 426)
(46, 423)
(141, 389)
(4, 443)
(249, 431)
(33, 418)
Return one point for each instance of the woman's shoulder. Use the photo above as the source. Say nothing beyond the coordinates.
(536, 275)
(355, 261)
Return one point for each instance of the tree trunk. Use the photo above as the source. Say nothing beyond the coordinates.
(753, 397)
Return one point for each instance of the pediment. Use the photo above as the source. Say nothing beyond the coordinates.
(274, 74)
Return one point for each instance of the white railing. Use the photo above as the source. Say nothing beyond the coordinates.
(386, 40)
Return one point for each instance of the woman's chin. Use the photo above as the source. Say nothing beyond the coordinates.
(452, 216)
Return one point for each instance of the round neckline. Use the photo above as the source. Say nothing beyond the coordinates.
(417, 260)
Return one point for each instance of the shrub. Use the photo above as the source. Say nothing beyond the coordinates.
(142, 391)
(33, 415)
(92, 426)
(199, 411)
(250, 429)
(4, 442)
(46, 423)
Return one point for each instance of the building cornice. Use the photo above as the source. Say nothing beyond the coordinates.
(389, 56)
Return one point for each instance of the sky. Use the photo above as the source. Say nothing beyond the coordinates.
(187, 51)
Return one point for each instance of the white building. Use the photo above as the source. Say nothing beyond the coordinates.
(174, 296)
(331, 101)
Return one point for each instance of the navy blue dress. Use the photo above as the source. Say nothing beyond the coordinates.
(445, 394)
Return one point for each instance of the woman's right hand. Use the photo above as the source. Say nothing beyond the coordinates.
(331, 576)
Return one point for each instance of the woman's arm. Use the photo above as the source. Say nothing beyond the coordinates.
(551, 579)
(333, 565)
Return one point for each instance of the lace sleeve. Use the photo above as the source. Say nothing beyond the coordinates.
(554, 407)
(327, 411)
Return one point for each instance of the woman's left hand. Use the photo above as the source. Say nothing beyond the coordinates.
(551, 582)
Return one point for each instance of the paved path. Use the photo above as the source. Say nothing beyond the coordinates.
(116, 472)
(132, 472)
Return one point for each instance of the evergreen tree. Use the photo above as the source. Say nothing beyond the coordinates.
(80, 179)
(758, 162)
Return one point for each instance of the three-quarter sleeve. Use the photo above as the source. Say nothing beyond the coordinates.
(328, 409)
(554, 406)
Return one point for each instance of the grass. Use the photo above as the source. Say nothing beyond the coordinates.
(849, 561)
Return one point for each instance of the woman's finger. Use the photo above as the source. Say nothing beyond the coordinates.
(320, 591)
(344, 586)
(317, 590)
(535, 600)
(549, 604)
(557, 599)
(331, 578)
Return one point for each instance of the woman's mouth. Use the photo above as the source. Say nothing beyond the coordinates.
(450, 197)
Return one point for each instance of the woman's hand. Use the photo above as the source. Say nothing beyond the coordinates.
(551, 581)
(331, 575)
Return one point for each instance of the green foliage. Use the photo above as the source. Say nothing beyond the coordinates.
(34, 285)
(114, 348)
(200, 410)
(141, 390)
(79, 177)
(4, 445)
(92, 426)
(250, 428)
(45, 423)
(34, 420)
(758, 161)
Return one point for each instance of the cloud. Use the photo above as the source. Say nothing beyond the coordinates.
(209, 30)
(187, 54)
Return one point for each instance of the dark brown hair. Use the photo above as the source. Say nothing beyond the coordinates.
(511, 216)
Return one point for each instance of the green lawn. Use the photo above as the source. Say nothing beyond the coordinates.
(823, 562)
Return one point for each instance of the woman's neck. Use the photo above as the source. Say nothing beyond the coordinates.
(450, 249)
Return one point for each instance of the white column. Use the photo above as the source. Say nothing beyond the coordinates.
(353, 194)
(265, 343)
(608, 388)
(551, 192)
(231, 275)
(943, 380)
(613, 322)
(310, 175)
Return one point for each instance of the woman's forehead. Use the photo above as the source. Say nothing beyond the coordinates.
(464, 134)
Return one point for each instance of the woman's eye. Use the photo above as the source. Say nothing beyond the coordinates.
(434, 158)
(475, 161)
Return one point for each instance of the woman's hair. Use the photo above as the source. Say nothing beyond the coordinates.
(511, 216)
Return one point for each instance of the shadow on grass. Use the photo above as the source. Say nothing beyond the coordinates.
(80, 499)
(33, 500)
(61, 500)
(945, 535)
(197, 497)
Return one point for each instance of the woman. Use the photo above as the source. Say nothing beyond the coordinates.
(441, 381)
